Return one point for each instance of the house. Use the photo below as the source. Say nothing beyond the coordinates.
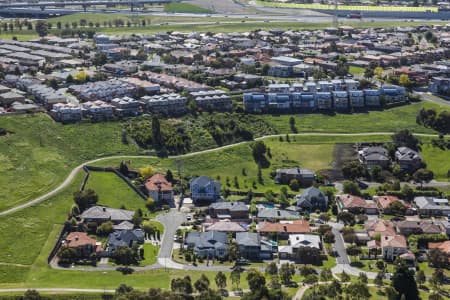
(393, 93)
(374, 156)
(279, 102)
(383, 203)
(443, 246)
(324, 100)
(304, 177)
(284, 229)
(83, 244)
(125, 225)
(226, 226)
(167, 104)
(393, 246)
(340, 99)
(304, 101)
(8, 98)
(211, 244)
(429, 206)
(372, 98)
(297, 241)
(228, 210)
(275, 214)
(124, 238)
(311, 199)
(212, 100)
(66, 113)
(379, 227)
(101, 214)
(126, 107)
(439, 85)
(252, 247)
(408, 159)
(356, 98)
(355, 204)
(417, 227)
(159, 189)
(204, 188)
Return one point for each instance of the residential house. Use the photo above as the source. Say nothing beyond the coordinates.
(355, 204)
(228, 210)
(212, 100)
(374, 156)
(124, 238)
(297, 241)
(311, 199)
(97, 110)
(430, 206)
(417, 227)
(8, 98)
(393, 246)
(324, 100)
(167, 104)
(304, 101)
(204, 188)
(383, 203)
(442, 246)
(225, 226)
(279, 102)
(340, 99)
(356, 98)
(393, 94)
(211, 244)
(379, 227)
(159, 189)
(126, 107)
(304, 177)
(252, 247)
(439, 85)
(284, 229)
(275, 214)
(255, 102)
(408, 159)
(101, 214)
(66, 113)
(83, 244)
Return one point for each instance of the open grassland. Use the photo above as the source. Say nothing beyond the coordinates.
(178, 7)
(40, 153)
(438, 160)
(389, 8)
(46, 151)
(114, 191)
(402, 117)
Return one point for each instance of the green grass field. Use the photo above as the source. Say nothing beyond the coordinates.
(437, 160)
(114, 191)
(177, 7)
(356, 71)
(389, 8)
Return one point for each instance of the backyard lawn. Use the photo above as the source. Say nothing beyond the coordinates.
(150, 255)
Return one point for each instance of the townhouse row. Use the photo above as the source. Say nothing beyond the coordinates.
(309, 101)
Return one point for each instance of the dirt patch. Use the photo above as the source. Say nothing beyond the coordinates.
(342, 153)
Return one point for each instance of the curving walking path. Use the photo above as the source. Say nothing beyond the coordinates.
(74, 171)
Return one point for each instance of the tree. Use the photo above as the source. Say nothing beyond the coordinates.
(397, 208)
(324, 217)
(149, 227)
(378, 71)
(259, 150)
(345, 277)
(123, 289)
(169, 176)
(346, 217)
(358, 290)
(181, 285)
(146, 172)
(137, 217)
(438, 258)
(272, 268)
(350, 187)
(150, 204)
(309, 255)
(202, 284)
(379, 279)
(404, 138)
(420, 277)
(157, 138)
(99, 59)
(235, 277)
(255, 279)
(403, 80)
(31, 295)
(437, 279)
(363, 277)
(334, 289)
(326, 274)
(41, 28)
(67, 255)
(85, 199)
(294, 185)
(105, 228)
(286, 272)
(329, 237)
(233, 251)
(404, 283)
(124, 255)
(353, 250)
(435, 296)
(423, 175)
(221, 280)
(391, 293)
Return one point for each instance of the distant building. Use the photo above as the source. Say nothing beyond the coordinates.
(228, 210)
(311, 199)
(374, 156)
(408, 159)
(304, 177)
(211, 244)
(159, 188)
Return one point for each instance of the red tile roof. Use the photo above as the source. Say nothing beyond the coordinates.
(299, 226)
(350, 201)
(443, 246)
(77, 239)
(156, 182)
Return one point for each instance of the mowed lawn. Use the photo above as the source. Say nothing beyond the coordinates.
(114, 191)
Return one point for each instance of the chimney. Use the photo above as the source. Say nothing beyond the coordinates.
(278, 212)
(285, 228)
(104, 208)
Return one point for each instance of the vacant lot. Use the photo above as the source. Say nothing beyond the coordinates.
(437, 160)
(184, 8)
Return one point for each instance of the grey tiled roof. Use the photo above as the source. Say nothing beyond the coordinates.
(102, 212)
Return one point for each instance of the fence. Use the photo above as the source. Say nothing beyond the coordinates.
(56, 246)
